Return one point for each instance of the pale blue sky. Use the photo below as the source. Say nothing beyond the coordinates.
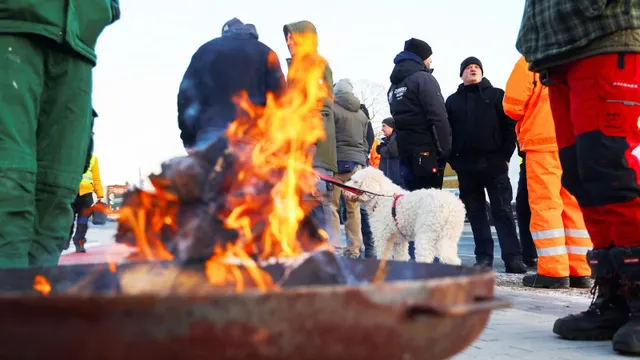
(142, 57)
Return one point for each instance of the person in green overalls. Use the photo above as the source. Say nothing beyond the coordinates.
(48, 54)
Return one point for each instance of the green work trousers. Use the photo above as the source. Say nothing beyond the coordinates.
(45, 118)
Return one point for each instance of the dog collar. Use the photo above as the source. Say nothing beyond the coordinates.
(394, 212)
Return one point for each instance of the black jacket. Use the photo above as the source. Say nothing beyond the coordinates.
(218, 71)
(417, 106)
(482, 133)
(390, 163)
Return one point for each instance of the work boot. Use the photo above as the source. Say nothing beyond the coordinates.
(531, 264)
(627, 263)
(483, 263)
(545, 282)
(608, 310)
(80, 245)
(515, 267)
(580, 282)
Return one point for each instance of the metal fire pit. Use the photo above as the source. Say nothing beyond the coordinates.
(421, 311)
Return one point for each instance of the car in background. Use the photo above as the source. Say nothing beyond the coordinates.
(456, 192)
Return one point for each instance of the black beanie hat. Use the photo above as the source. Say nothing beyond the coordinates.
(418, 47)
(471, 60)
(389, 122)
(230, 23)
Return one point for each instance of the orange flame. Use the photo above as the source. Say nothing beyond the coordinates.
(277, 140)
(274, 145)
(160, 209)
(42, 285)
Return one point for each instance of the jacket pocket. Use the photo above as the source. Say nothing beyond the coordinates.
(424, 164)
(620, 112)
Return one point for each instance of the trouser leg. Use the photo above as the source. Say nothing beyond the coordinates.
(64, 126)
(21, 81)
(473, 197)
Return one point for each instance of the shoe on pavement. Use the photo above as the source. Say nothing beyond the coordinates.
(545, 282)
(483, 263)
(580, 282)
(80, 246)
(627, 339)
(608, 311)
(515, 267)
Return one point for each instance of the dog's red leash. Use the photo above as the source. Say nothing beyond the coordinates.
(350, 189)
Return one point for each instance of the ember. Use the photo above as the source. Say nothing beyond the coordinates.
(247, 195)
(42, 285)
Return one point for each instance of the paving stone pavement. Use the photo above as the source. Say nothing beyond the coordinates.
(518, 334)
(524, 331)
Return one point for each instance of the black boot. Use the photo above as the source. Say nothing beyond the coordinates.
(580, 282)
(80, 245)
(627, 263)
(608, 310)
(545, 282)
(79, 239)
(515, 267)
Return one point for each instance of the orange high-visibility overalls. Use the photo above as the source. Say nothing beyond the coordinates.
(557, 224)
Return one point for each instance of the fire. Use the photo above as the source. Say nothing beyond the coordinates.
(42, 285)
(273, 145)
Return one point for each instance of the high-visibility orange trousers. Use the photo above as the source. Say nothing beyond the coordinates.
(557, 225)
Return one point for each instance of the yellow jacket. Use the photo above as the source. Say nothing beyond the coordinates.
(91, 180)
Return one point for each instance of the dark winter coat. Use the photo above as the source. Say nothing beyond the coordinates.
(417, 106)
(218, 71)
(390, 163)
(482, 133)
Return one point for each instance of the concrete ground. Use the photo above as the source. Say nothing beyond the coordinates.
(520, 332)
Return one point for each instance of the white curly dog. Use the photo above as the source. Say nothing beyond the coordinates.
(432, 218)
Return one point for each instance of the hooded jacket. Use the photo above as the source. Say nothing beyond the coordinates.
(219, 70)
(351, 125)
(482, 133)
(325, 156)
(417, 106)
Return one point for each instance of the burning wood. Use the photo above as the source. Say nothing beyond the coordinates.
(247, 195)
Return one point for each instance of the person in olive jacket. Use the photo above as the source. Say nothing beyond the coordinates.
(325, 160)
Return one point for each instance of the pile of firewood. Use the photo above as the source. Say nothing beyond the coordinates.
(185, 215)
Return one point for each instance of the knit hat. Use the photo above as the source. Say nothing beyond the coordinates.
(418, 47)
(389, 122)
(471, 60)
(229, 24)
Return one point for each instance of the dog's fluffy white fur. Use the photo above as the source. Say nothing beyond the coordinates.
(432, 218)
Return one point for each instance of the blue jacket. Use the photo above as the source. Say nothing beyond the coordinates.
(219, 70)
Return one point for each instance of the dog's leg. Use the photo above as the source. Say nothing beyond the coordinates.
(382, 236)
(449, 238)
(425, 243)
